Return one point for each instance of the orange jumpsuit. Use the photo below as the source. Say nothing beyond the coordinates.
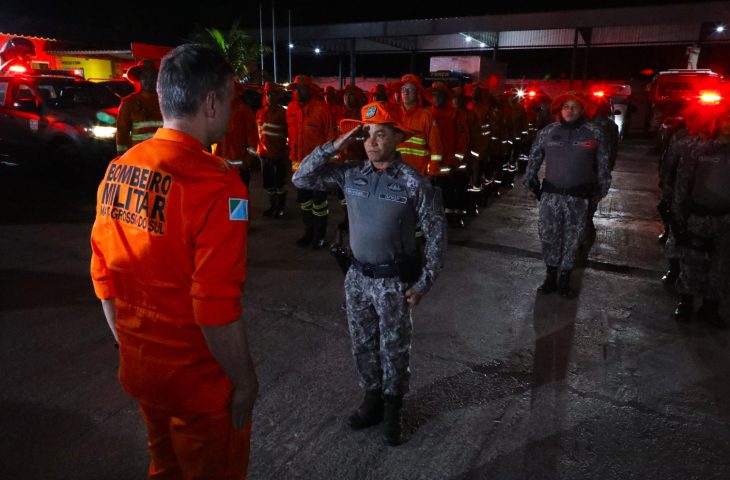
(240, 135)
(309, 126)
(169, 245)
(271, 123)
(138, 120)
(423, 152)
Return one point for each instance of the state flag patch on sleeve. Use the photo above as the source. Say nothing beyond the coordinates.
(238, 209)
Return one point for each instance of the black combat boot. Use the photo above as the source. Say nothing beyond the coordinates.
(320, 230)
(564, 284)
(685, 307)
(551, 281)
(280, 205)
(370, 411)
(306, 239)
(271, 211)
(391, 417)
(710, 314)
(672, 274)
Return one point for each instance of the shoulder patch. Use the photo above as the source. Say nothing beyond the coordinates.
(238, 209)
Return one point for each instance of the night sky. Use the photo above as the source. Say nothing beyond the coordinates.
(170, 23)
(112, 25)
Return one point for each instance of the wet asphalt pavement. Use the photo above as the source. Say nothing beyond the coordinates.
(506, 384)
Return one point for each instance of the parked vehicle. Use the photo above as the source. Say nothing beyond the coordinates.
(59, 119)
(671, 90)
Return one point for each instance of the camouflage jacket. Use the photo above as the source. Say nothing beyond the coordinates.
(383, 208)
(584, 131)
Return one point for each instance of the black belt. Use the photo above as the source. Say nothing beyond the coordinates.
(385, 270)
(583, 191)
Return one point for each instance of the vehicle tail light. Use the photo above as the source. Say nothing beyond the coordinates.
(17, 69)
(710, 98)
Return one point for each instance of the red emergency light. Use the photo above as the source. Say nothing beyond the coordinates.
(78, 72)
(17, 69)
(710, 97)
(599, 93)
(532, 93)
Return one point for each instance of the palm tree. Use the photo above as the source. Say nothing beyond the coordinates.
(236, 46)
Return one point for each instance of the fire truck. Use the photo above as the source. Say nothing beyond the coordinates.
(671, 90)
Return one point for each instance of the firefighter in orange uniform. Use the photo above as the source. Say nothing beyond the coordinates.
(337, 109)
(271, 122)
(480, 106)
(423, 152)
(168, 263)
(139, 113)
(465, 161)
(241, 140)
(309, 124)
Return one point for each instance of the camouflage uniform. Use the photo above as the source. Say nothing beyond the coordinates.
(701, 213)
(577, 169)
(668, 162)
(610, 132)
(384, 208)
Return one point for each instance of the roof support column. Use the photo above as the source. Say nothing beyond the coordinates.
(353, 62)
(572, 59)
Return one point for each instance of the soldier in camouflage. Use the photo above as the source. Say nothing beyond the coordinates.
(679, 142)
(701, 218)
(577, 171)
(386, 198)
(610, 133)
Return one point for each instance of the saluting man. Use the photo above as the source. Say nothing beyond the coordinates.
(386, 198)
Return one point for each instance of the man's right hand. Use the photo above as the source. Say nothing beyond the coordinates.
(357, 134)
(242, 402)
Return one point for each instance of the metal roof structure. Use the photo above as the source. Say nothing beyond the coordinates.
(629, 26)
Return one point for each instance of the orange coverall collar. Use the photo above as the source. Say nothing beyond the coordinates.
(178, 136)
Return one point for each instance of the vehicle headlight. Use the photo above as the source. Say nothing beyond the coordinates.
(102, 131)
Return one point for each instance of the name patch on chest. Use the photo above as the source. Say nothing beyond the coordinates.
(392, 198)
(357, 193)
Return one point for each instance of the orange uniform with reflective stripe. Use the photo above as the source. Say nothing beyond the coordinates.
(240, 134)
(271, 123)
(338, 113)
(446, 120)
(425, 147)
(309, 126)
(138, 120)
(169, 244)
(467, 130)
(483, 118)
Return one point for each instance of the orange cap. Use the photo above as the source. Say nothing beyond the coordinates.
(411, 78)
(376, 113)
(572, 95)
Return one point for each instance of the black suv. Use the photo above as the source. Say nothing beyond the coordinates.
(62, 120)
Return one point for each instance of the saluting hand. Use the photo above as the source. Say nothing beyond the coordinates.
(357, 134)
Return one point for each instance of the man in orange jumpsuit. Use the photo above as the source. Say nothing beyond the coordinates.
(310, 124)
(168, 263)
(455, 128)
(271, 123)
(423, 151)
(139, 113)
(240, 141)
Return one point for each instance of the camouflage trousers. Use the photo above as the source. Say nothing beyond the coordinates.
(379, 319)
(706, 272)
(562, 222)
